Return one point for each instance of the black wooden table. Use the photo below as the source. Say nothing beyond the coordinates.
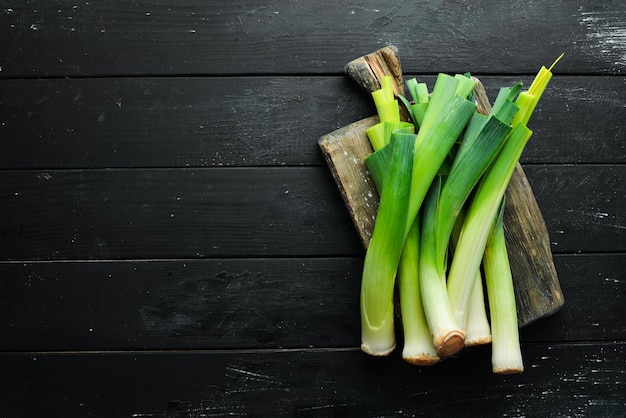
(173, 244)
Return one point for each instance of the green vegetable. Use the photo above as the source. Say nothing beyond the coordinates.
(385, 248)
(444, 121)
(506, 355)
(442, 180)
(448, 337)
(418, 342)
(479, 220)
(388, 115)
(488, 197)
(385, 102)
(477, 328)
(468, 166)
(417, 108)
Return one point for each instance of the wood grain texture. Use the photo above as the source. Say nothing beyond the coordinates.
(180, 304)
(258, 121)
(164, 37)
(574, 379)
(172, 122)
(584, 275)
(247, 212)
(345, 151)
(116, 214)
(254, 303)
(535, 280)
(568, 195)
(369, 69)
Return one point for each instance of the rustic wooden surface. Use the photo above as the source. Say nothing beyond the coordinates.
(172, 243)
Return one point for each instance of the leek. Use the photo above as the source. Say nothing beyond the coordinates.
(418, 343)
(388, 115)
(385, 102)
(418, 346)
(489, 195)
(479, 220)
(477, 328)
(444, 91)
(483, 140)
(506, 355)
(527, 101)
(437, 135)
(448, 337)
(466, 170)
(417, 108)
(385, 248)
(425, 173)
(376, 164)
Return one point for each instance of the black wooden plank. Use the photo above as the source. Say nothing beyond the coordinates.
(198, 304)
(577, 120)
(249, 303)
(173, 122)
(247, 212)
(559, 380)
(594, 287)
(582, 206)
(112, 214)
(220, 37)
(253, 121)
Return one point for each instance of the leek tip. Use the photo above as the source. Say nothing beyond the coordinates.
(556, 61)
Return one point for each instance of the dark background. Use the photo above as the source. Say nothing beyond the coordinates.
(172, 243)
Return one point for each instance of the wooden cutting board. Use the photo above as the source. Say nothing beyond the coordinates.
(537, 289)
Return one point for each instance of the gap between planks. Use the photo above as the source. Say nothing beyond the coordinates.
(355, 349)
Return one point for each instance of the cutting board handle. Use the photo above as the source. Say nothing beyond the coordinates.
(369, 69)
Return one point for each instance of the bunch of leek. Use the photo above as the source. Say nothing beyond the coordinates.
(441, 180)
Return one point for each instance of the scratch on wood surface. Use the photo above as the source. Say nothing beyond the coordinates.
(606, 33)
(318, 408)
(248, 375)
